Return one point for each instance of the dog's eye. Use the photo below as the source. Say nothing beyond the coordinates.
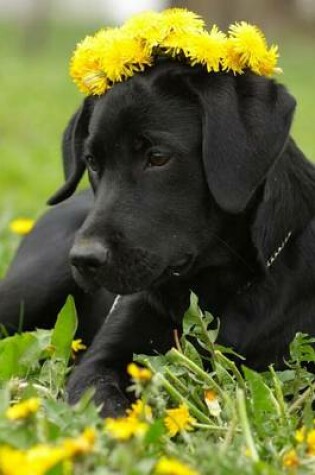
(157, 159)
(92, 163)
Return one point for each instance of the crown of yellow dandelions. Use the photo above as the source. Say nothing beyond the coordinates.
(113, 55)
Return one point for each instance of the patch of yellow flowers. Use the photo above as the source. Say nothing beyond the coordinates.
(23, 409)
(42, 457)
(306, 439)
(113, 55)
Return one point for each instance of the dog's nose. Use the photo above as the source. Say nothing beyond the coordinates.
(88, 257)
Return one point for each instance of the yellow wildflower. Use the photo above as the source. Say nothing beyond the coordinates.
(207, 49)
(85, 68)
(212, 402)
(82, 444)
(140, 410)
(300, 434)
(178, 419)
(290, 459)
(23, 409)
(12, 462)
(268, 62)
(172, 466)
(247, 47)
(125, 427)
(249, 42)
(77, 345)
(35, 461)
(181, 20)
(310, 440)
(139, 374)
(42, 457)
(121, 54)
(22, 226)
(231, 60)
(147, 26)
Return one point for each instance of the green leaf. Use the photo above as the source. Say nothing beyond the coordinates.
(20, 354)
(262, 401)
(302, 349)
(191, 315)
(191, 352)
(155, 432)
(64, 331)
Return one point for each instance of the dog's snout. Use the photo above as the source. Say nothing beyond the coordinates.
(88, 257)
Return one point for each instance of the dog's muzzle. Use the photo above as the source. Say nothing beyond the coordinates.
(123, 270)
(88, 257)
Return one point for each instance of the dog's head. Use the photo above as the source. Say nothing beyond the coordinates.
(170, 153)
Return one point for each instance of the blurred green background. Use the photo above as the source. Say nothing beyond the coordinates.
(37, 98)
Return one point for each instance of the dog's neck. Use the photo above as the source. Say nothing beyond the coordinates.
(287, 204)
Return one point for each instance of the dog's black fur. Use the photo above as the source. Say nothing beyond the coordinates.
(196, 185)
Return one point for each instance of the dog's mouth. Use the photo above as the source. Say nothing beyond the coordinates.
(182, 267)
(135, 273)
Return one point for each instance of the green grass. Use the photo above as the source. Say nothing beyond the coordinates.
(230, 422)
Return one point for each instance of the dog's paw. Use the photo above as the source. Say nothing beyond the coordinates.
(108, 395)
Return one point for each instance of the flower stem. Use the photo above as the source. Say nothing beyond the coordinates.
(232, 366)
(241, 406)
(177, 396)
(173, 353)
(174, 379)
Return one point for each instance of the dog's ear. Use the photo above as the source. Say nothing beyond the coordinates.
(246, 123)
(72, 148)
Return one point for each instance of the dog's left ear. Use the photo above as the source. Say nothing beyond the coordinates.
(72, 145)
(246, 124)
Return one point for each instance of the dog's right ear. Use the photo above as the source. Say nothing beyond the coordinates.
(72, 148)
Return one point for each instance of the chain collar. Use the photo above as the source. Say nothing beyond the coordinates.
(269, 262)
(274, 256)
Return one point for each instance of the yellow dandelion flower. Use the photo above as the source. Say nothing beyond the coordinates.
(178, 419)
(290, 459)
(172, 466)
(122, 54)
(232, 60)
(140, 410)
(300, 434)
(310, 440)
(77, 345)
(267, 64)
(22, 226)
(139, 374)
(12, 462)
(181, 20)
(85, 68)
(207, 49)
(82, 444)
(212, 402)
(37, 460)
(125, 427)
(176, 43)
(249, 42)
(147, 26)
(43, 457)
(23, 409)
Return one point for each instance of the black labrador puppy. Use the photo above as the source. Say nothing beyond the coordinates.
(198, 186)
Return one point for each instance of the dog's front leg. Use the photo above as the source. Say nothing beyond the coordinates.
(136, 324)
